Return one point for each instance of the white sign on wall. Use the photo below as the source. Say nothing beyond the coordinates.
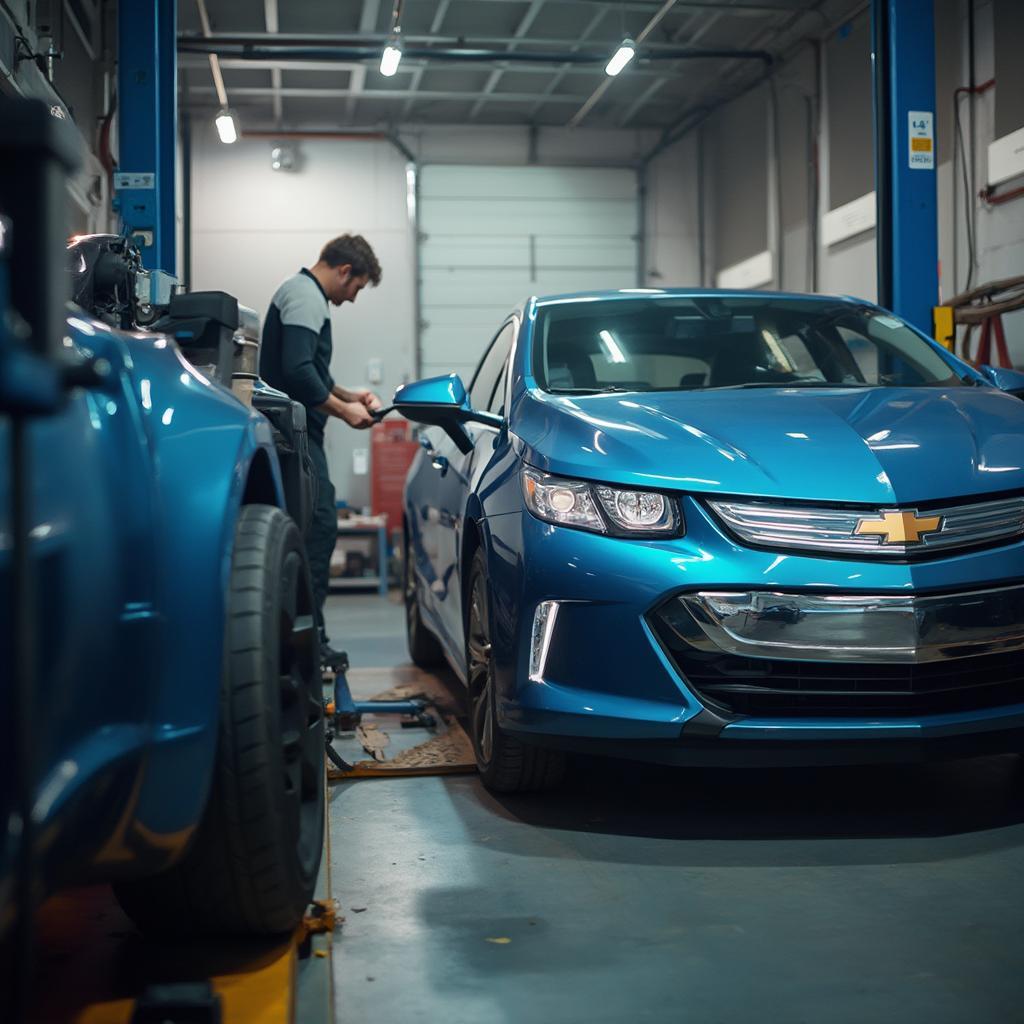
(848, 220)
(1006, 157)
(134, 179)
(921, 140)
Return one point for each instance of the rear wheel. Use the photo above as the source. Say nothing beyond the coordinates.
(506, 764)
(424, 648)
(253, 865)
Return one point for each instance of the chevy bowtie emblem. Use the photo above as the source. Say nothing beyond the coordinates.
(899, 527)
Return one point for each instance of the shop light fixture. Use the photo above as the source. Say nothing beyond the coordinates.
(622, 56)
(227, 127)
(391, 57)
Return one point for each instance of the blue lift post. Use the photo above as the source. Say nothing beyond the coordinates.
(903, 55)
(148, 128)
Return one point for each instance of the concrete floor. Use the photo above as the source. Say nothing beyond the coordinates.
(654, 894)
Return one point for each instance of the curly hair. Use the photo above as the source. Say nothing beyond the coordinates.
(354, 250)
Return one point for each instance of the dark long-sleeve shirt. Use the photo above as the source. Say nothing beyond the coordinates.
(295, 356)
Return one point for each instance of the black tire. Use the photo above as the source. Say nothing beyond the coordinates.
(506, 764)
(424, 648)
(253, 865)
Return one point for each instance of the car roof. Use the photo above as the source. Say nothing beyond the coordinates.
(683, 293)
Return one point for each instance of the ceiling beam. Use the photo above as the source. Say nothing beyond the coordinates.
(367, 23)
(741, 8)
(555, 82)
(698, 33)
(273, 26)
(525, 23)
(218, 78)
(651, 25)
(417, 76)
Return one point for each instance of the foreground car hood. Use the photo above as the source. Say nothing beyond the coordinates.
(878, 446)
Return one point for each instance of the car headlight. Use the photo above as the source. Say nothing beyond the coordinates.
(600, 508)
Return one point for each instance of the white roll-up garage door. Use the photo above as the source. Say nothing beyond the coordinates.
(492, 236)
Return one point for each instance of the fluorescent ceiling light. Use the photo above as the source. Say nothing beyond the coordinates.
(390, 59)
(622, 56)
(227, 129)
(611, 346)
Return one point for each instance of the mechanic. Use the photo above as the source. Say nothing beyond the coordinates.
(296, 358)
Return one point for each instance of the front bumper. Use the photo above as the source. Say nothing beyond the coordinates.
(612, 680)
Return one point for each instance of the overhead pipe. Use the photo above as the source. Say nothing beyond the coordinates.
(231, 46)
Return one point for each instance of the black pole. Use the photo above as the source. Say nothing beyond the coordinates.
(883, 143)
(186, 205)
(22, 595)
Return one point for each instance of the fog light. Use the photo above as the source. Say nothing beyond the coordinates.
(540, 639)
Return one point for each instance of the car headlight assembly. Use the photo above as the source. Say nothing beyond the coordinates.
(601, 508)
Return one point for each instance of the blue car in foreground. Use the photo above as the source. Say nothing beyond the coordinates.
(173, 742)
(719, 528)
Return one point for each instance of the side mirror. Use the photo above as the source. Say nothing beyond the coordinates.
(443, 402)
(1011, 381)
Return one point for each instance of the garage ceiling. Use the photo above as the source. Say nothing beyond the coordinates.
(318, 60)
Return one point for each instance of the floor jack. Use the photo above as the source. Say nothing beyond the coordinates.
(347, 713)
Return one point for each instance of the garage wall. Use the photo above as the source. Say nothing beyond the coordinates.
(252, 227)
(491, 236)
(998, 230)
(519, 146)
(796, 96)
(737, 140)
(675, 196)
(278, 222)
(840, 155)
(847, 266)
(823, 135)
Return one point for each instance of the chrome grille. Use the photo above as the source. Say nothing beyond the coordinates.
(835, 529)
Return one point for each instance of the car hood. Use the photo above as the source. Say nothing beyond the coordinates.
(877, 446)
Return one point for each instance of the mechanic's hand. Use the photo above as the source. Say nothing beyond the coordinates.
(368, 399)
(356, 415)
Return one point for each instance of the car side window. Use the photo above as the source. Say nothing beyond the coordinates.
(487, 374)
(498, 398)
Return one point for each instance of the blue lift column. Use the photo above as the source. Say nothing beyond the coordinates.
(903, 56)
(148, 127)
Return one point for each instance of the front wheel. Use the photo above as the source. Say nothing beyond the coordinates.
(253, 865)
(424, 648)
(506, 764)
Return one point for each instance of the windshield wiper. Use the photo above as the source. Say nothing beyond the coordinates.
(589, 391)
(796, 384)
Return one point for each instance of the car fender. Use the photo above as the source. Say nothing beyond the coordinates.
(206, 446)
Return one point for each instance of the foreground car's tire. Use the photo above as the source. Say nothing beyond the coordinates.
(506, 764)
(253, 864)
(424, 648)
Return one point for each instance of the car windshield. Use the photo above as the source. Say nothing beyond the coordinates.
(705, 342)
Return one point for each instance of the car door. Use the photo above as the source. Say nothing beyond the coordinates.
(454, 475)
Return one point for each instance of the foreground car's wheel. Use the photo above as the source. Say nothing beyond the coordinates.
(506, 764)
(424, 649)
(253, 865)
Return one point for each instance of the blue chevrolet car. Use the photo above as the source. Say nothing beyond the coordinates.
(719, 528)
